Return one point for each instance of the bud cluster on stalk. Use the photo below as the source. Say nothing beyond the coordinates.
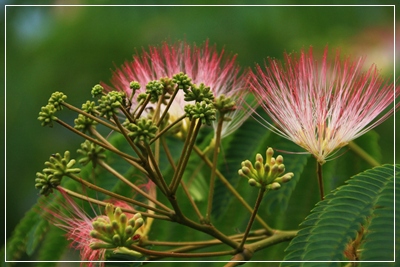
(270, 175)
(116, 229)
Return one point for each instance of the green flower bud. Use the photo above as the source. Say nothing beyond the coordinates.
(45, 183)
(97, 90)
(134, 85)
(203, 111)
(143, 131)
(182, 81)
(265, 175)
(155, 89)
(56, 99)
(224, 104)
(91, 152)
(199, 93)
(89, 107)
(46, 115)
(168, 85)
(108, 104)
(83, 123)
(141, 97)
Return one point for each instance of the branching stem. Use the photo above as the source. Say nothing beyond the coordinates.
(214, 167)
(233, 190)
(252, 217)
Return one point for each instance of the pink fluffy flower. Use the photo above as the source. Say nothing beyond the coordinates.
(202, 64)
(321, 106)
(78, 225)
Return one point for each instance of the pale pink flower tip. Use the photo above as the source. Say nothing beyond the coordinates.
(321, 106)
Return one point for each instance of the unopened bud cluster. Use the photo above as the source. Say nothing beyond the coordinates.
(56, 168)
(270, 175)
(116, 230)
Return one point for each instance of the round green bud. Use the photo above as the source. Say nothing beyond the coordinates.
(134, 85)
(97, 90)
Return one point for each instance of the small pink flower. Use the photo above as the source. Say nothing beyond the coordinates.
(202, 64)
(68, 216)
(77, 224)
(322, 107)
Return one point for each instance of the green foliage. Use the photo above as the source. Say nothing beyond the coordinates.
(53, 247)
(25, 236)
(360, 206)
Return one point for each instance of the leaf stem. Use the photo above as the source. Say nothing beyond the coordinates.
(252, 217)
(159, 177)
(130, 184)
(181, 255)
(167, 128)
(71, 107)
(188, 146)
(111, 194)
(184, 187)
(104, 145)
(320, 181)
(363, 154)
(233, 191)
(165, 112)
(214, 168)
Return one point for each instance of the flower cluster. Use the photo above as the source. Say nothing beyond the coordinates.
(94, 237)
(203, 70)
(320, 107)
(270, 175)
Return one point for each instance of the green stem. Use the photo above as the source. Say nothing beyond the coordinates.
(253, 215)
(213, 168)
(154, 166)
(254, 235)
(185, 189)
(320, 181)
(233, 191)
(167, 128)
(363, 154)
(165, 215)
(277, 237)
(181, 255)
(142, 107)
(135, 163)
(112, 127)
(122, 130)
(205, 228)
(168, 106)
(130, 184)
(104, 145)
(126, 113)
(189, 143)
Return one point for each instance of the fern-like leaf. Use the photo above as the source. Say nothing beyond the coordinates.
(52, 248)
(17, 244)
(359, 212)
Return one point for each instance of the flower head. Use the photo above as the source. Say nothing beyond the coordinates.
(321, 107)
(94, 236)
(203, 65)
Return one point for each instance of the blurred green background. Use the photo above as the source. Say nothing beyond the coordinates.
(69, 49)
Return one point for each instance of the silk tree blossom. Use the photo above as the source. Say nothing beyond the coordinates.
(202, 64)
(321, 107)
(79, 227)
